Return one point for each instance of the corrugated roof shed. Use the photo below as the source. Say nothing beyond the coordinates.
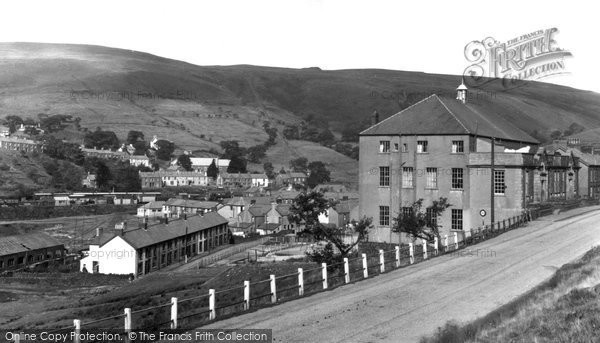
(22, 243)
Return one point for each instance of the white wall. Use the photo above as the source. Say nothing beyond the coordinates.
(114, 257)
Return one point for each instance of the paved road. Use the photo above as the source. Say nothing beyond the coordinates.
(405, 304)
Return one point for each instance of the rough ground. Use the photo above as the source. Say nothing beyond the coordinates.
(404, 305)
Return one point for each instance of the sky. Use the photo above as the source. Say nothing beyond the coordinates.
(427, 36)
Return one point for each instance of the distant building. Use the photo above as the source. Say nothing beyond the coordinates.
(17, 252)
(172, 178)
(201, 164)
(292, 178)
(139, 248)
(20, 144)
(151, 210)
(4, 131)
(341, 214)
(139, 160)
(105, 153)
(177, 207)
(243, 180)
(89, 181)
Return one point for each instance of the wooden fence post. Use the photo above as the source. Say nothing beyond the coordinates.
(456, 240)
(246, 295)
(435, 246)
(424, 242)
(273, 289)
(445, 243)
(127, 319)
(173, 313)
(346, 270)
(397, 248)
(300, 282)
(411, 253)
(211, 304)
(381, 261)
(365, 266)
(324, 274)
(77, 324)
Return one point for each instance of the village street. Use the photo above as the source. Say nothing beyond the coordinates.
(403, 305)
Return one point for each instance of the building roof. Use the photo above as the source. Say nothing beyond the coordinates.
(23, 243)
(446, 116)
(172, 173)
(154, 205)
(259, 210)
(207, 161)
(160, 232)
(244, 176)
(236, 201)
(138, 157)
(188, 203)
(346, 206)
(267, 226)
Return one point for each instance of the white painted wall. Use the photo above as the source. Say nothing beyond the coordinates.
(114, 257)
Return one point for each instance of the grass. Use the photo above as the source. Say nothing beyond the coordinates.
(566, 308)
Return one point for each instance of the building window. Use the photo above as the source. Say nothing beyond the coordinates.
(404, 147)
(431, 217)
(499, 185)
(407, 177)
(457, 219)
(384, 176)
(472, 144)
(431, 178)
(384, 215)
(421, 147)
(457, 178)
(396, 147)
(407, 211)
(384, 146)
(458, 147)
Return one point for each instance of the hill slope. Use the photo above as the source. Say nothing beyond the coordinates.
(198, 106)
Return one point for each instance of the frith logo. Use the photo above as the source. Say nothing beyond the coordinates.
(531, 56)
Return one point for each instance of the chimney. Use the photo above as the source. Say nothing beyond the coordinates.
(98, 231)
(375, 118)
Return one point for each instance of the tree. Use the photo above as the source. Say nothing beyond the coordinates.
(307, 208)
(101, 140)
(291, 132)
(256, 153)
(419, 224)
(232, 148)
(213, 170)
(13, 122)
(184, 161)
(165, 149)
(269, 170)
(58, 149)
(237, 165)
(299, 164)
(134, 136)
(318, 173)
(282, 170)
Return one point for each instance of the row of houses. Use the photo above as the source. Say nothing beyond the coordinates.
(97, 198)
(178, 178)
(21, 251)
(469, 152)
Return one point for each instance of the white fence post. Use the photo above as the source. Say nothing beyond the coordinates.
(381, 261)
(324, 274)
(365, 266)
(173, 313)
(435, 246)
(424, 243)
(411, 253)
(246, 295)
(77, 324)
(397, 248)
(273, 289)
(445, 243)
(456, 240)
(127, 319)
(346, 270)
(300, 282)
(211, 304)
(16, 338)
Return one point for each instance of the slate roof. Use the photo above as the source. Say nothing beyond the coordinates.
(447, 116)
(22, 243)
(259, 210)
(236, 201)
(187, 203)
(345, 206)
(154, 205)
(160, 232)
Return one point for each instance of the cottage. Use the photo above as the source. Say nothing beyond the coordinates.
(151, 210)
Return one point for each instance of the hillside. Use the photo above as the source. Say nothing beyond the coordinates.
(199, 106)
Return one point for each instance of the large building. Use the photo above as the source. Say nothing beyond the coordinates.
(20, 144)
(140, 247)
(442, 147)
(174, 178)
(20, 251)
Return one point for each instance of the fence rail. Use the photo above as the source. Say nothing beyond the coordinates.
(327, 276)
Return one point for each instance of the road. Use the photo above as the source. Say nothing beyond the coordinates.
(404, 305)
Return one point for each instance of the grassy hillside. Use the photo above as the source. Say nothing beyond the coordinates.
(199, 106)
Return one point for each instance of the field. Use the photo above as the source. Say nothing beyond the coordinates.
(565, 308)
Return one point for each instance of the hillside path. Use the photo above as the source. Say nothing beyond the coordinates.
(403, 305)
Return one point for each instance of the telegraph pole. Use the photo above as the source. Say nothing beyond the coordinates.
(492, 184)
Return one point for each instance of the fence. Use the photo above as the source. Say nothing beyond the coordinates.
(204, 308)
(228, 252)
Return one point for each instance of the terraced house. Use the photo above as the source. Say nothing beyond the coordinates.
(444, 147)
